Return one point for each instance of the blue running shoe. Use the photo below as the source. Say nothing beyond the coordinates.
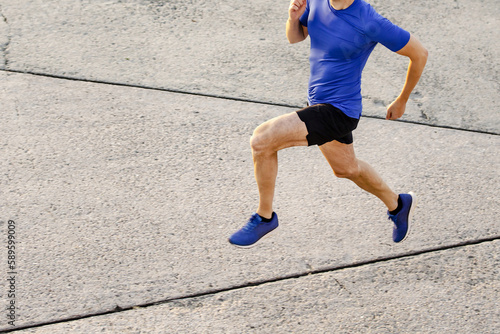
(402, 220)
(253, 231)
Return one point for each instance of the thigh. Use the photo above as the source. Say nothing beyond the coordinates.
(282, 132)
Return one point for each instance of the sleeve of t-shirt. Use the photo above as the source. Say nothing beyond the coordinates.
(303, 19)
(385, 32)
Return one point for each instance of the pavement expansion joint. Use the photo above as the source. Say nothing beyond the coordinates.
(229, 98)
(4, 48)
(262, 282)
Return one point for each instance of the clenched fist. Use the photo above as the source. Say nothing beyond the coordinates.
(396, 109)
(296, 9)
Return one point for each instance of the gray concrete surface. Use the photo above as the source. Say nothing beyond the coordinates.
(239, 49)
(125, 196)
(433, 293)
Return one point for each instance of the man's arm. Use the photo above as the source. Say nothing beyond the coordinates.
(418, 58)
(295, 31)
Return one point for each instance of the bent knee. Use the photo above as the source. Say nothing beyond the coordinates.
(260, 142)
(347, 172)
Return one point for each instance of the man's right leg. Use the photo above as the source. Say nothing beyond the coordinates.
(268, 138)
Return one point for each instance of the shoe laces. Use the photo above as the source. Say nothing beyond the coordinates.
(252, 223)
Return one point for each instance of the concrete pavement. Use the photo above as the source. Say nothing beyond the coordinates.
(123, 197)
(240, 50)
(442, 292)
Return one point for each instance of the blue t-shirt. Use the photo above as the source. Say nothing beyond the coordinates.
(341, 41)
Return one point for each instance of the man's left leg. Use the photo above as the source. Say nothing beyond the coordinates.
(344, 163)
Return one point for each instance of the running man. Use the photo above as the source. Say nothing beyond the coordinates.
(343, 33)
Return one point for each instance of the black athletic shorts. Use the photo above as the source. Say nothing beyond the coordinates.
(325, 123)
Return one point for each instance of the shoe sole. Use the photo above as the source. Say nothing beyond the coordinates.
(410, 214)
(255, 243)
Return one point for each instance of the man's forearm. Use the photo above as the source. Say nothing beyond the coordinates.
(418, 58)
(294, 31)
(415, 69)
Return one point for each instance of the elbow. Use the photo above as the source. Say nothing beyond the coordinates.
(421, 56)
(295, 39)
(425, 54)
